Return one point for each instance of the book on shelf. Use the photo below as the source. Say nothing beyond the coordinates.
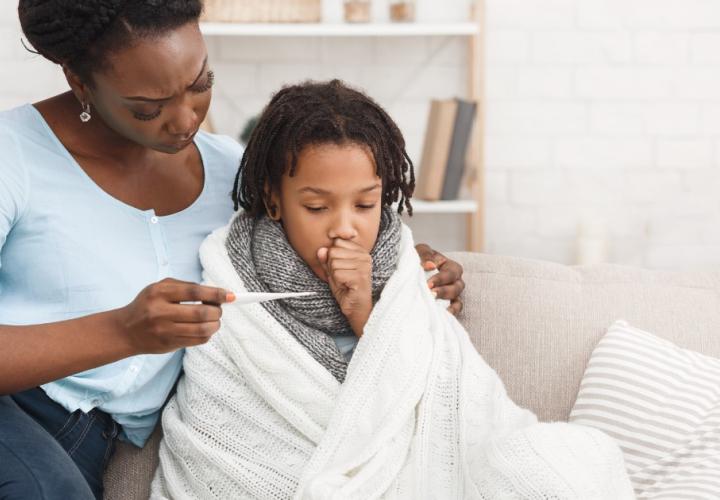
(447, 136)
(458, 149)
(436, 148)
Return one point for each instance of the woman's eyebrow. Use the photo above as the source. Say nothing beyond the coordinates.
(161, 99)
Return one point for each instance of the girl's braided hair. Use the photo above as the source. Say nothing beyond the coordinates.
(314, 113)
(80, 33)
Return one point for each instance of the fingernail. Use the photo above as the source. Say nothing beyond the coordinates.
(229, 297)
(434, 294)
(431, 284)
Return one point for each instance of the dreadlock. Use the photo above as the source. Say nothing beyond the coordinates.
(314, 113)
(80, 33)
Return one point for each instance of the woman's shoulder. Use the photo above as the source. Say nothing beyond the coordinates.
(15, 130)
(19, 121)
(220, 148)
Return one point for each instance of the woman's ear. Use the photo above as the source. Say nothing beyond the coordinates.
(78, 87)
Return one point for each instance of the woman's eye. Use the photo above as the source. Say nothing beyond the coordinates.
(315, 209)
(147, 116)
(207, 85)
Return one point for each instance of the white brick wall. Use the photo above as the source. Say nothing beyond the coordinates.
(607, 109)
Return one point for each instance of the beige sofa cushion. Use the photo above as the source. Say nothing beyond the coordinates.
(536, 323)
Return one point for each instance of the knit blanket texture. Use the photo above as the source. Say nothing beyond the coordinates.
(419, 416)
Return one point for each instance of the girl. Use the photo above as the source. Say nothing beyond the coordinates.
(367, 389)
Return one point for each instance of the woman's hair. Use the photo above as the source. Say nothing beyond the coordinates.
(81, 33)
(314, 113)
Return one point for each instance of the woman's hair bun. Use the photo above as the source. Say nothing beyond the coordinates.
(62, 30)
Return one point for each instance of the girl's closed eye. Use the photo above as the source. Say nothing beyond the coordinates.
(315, 208)
(365, 206)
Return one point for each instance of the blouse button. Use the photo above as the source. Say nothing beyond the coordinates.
(154, 219)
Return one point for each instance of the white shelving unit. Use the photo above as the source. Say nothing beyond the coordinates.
(339, 29)
(473, 208)
(444, 207)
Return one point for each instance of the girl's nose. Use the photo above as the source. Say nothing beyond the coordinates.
(343, 228)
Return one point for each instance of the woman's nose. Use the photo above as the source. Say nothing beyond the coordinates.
(184, 121)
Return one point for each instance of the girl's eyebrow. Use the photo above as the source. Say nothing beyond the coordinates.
(370, 188)
(315, 190)
(161, 99)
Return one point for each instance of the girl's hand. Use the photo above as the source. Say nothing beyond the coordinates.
(348, 268)
(157, 322)
(447, 283)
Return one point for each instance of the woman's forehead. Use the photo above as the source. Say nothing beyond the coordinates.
(157, 66)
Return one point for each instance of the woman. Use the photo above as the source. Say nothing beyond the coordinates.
(106, 193)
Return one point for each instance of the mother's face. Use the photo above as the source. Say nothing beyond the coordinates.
(157, 91)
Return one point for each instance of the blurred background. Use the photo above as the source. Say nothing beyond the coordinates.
(597, 127)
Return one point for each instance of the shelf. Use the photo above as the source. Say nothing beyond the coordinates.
(444, 207)
(339, 29)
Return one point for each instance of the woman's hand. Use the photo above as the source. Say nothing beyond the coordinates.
(160, 319)
(447, 283)
(348, 268)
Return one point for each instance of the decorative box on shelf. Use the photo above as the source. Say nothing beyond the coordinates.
(262, 11)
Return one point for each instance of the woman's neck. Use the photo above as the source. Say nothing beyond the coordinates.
(93, 140)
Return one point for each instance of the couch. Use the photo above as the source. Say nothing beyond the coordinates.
(536, 324)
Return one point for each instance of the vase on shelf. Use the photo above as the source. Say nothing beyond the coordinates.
(402, 11)
(357, 11)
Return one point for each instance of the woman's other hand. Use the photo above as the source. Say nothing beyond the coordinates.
(447, 283)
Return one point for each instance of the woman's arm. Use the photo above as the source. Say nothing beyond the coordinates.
(155, 322)
(448, 282)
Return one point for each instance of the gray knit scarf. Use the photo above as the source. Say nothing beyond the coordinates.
(266, 262)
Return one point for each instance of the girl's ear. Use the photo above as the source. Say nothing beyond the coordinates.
(272, 204)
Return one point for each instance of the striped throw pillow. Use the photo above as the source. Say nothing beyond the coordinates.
(661, 404)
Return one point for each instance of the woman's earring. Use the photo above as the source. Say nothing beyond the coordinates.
(85, 115)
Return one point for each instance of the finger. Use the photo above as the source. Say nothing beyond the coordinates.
(455, 307)
(192, 292)
(342, 258)
(195, 330)
(451, 266)
(348, 244)
(347, 253)
(345, 264)
(348, 279)
(424, 251)
(429, 258)
(448, 273)
(192, 313)
(450, 292)
(322, 255)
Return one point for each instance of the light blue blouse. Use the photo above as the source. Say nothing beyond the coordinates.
(69, 249)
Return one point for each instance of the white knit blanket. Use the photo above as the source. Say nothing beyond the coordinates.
(420, 414)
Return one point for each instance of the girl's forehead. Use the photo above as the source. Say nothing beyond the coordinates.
(331, 167)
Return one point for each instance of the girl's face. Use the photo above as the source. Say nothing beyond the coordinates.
(334, 193)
